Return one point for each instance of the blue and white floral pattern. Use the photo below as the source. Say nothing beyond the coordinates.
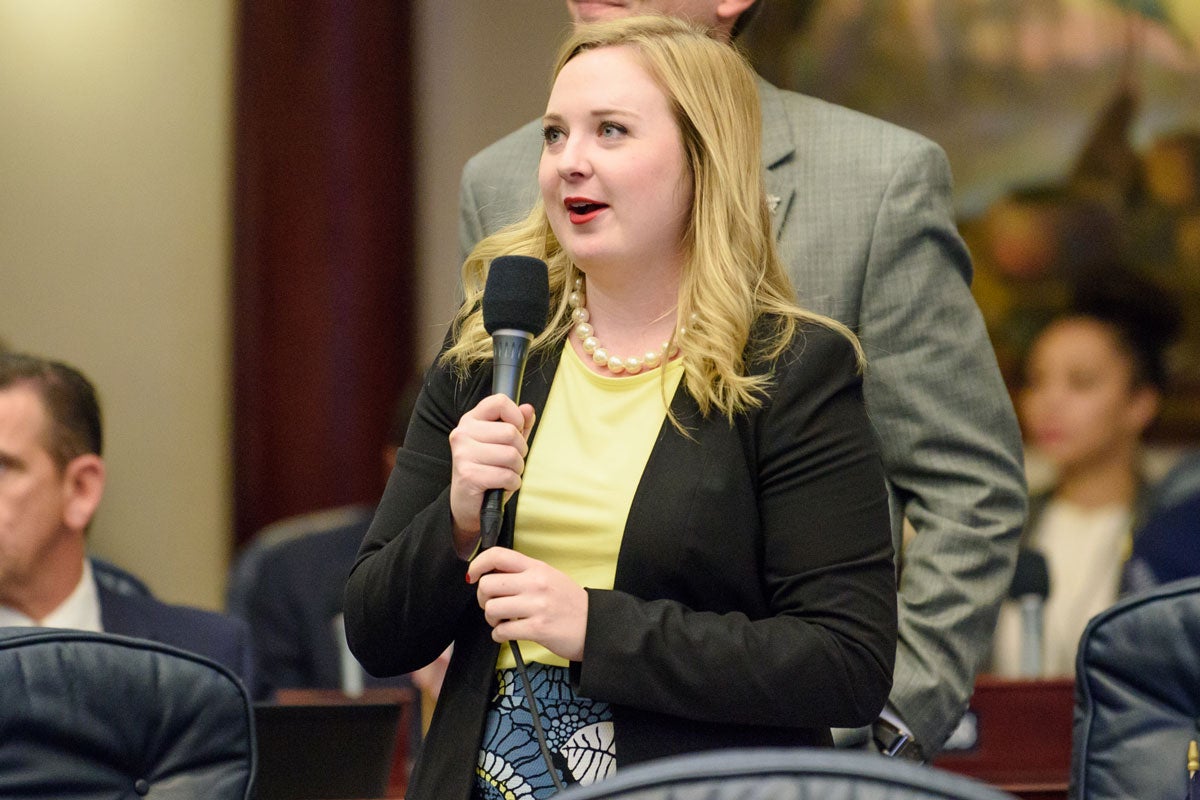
(579, 733)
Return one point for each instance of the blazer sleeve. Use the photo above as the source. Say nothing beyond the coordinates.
(820, 652)
(406, 592)
(950, 442)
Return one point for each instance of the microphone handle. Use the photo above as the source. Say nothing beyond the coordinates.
(1031, 635)
(510, 349)
(491, 513)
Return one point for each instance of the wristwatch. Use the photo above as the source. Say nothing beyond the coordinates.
(895, 743)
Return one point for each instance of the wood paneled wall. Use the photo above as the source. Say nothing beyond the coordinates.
(324, 273)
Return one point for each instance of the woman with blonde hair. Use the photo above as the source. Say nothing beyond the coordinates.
(696, 550)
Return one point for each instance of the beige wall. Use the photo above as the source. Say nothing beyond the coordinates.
(115, 160)
(115, 228)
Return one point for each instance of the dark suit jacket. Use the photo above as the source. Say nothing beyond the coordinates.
(754, 601)
(296, 593)
(215, 636)
(1167, 548)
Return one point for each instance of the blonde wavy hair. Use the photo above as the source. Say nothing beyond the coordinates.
(733, 277)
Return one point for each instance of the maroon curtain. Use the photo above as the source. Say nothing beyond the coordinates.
(324, 274)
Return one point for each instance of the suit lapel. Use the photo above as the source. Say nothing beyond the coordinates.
(674, 469)
(778, 150)
(123, 615)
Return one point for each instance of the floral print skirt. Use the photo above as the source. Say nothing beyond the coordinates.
(579, 733)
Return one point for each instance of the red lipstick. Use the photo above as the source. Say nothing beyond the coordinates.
(582, 210)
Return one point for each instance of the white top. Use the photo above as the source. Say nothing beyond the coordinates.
(1085, 550)
(80, 611)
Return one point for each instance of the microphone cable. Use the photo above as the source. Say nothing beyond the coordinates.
(489, 536)
(533, 712)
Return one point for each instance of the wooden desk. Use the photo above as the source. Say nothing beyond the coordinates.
(1023, 737)
(405, 698)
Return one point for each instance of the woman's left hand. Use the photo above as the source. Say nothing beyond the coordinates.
(526, 599)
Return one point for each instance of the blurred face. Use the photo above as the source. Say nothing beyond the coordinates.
(34, 495)
(1079, 404)
(613, 174)
(703, 11)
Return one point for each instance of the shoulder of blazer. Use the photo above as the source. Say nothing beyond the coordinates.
(809, 334)
(815, 355)
(798, 122)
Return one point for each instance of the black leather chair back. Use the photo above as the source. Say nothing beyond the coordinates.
(771, 774)
(92, 715)
(1137, 696)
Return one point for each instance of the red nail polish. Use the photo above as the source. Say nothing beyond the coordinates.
(468, 577)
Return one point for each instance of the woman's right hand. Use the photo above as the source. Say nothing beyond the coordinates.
(487, 451)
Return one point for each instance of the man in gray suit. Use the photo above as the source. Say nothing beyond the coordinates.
(863, 217)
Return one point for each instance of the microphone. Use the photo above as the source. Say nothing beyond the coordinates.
(350, 672)
(516, 304)
(1030, 587)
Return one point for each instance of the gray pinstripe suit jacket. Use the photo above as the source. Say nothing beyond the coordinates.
(864, 222)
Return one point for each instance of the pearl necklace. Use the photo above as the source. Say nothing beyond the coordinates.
(600, 355)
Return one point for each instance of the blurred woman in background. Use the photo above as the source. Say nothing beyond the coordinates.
(1094, 379)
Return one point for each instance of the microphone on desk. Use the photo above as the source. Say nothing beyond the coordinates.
(1029, 588)
(516, 305)
(350, 672)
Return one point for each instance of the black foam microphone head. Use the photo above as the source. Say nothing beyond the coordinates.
(516, 295)
(1032, 576)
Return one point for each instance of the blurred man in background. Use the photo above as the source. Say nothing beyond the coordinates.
(52, 479)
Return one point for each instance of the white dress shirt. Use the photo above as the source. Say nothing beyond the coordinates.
(79, 611)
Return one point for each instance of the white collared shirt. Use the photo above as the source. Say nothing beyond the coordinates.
(80, 611)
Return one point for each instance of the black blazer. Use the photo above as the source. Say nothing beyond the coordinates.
(755, 594)
(290, 609)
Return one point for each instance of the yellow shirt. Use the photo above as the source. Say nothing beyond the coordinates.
(594, 439)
